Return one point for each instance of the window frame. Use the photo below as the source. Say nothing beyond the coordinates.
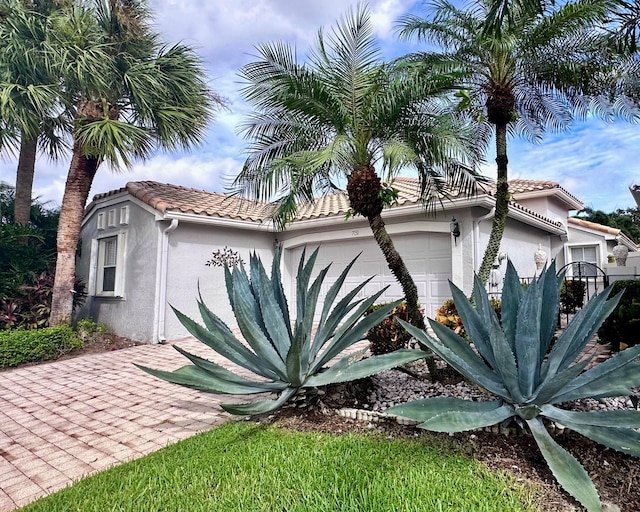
(118, 264)
(570, 250)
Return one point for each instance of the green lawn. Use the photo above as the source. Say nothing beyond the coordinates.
(244, 467)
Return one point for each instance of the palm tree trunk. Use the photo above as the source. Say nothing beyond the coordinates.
(24, 180)
(398, 269)
(402, 275)
(81, 173)
(502, 204)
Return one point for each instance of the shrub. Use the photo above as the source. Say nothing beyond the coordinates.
(288, 357)
(447, 315)
(20, 346)
(622, 325)
(572, 293)
(389, 335)
(30, 306)
(24, 250)
(88, 330)
(529, 376)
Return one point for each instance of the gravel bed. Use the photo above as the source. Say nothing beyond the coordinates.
(393, 387)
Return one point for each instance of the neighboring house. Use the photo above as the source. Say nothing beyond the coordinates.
(145, 246)
(593, 243)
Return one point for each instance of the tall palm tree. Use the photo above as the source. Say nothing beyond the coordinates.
(345, 116)
(29, 91)
(524, 75)
(130, 94)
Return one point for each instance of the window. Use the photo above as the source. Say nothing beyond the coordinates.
(109, 275)
(581, 257)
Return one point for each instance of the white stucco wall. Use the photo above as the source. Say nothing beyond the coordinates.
(549, 206)
(519, 242)
(190, 247)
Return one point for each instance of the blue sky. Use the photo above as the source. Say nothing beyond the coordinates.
(595, 161)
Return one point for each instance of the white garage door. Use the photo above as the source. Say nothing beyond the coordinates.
(427, 256)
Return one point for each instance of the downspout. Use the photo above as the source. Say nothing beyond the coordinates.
(476, 235)
(164, 264)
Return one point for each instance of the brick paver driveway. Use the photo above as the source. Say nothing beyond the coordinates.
(62, 420)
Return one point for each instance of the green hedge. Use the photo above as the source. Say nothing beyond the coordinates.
(19, 346)
(623, 323)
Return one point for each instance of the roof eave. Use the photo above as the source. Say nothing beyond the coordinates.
(573, 202)
(194, 218)
(483, 200)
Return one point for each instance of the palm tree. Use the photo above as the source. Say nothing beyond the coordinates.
(524, 75)
(344, 115)
(30, 113)
(130, 94)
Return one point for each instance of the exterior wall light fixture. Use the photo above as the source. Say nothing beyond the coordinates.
(454, 226)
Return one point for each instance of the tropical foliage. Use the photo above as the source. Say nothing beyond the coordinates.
(389, 335)
(522, 71)
(620, 329)
(130, 94)
(25, 250)
(288, 356)
(447, 315)
(31, 114)
(515, 360)
(345, 116)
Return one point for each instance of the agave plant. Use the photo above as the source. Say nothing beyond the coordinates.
(288, 357)
(515, 360)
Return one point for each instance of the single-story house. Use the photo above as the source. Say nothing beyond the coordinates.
(146, 245)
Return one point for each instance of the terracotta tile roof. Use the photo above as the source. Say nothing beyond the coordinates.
(520, 186)
(594, 225)
(338, 203)
(166, 198)
(409, 193)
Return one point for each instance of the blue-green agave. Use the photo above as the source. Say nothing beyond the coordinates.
(287, 357)
(515, 360)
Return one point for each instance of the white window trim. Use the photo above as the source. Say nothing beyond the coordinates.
(96, 273)
(124, 215)
(600, 250)
(111, 218)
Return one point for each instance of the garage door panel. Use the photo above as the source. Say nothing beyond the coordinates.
(439, 265)
(371, 268)
(372, 288)
(427, 256)
(393, 292)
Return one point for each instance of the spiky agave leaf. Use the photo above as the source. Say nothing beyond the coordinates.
(565, 468)
(514, 361)
(286, 359)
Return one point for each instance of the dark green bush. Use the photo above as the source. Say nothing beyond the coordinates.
(25, 251)
(572, 294)
(389, 335)
(20, 346)
(622, 325)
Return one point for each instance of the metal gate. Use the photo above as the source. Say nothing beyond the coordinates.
(582, 281)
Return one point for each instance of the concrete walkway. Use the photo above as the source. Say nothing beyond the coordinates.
(62, 420)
